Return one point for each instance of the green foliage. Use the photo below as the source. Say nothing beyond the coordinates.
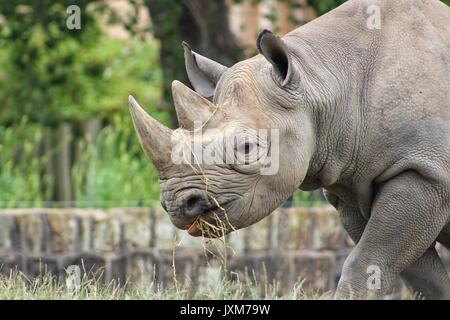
(51, 75)
(113, 70)
(308, 199)
(20, 180)
(323, 6)
(114, 170)
(111, 169)
(44, 76)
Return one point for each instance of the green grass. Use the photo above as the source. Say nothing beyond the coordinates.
(16, 286)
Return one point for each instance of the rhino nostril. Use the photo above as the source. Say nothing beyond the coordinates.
(192, 203)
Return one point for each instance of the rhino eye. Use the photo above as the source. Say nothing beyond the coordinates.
(247, 147)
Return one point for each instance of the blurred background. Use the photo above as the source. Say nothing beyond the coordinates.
(72, 172)
(65, 133)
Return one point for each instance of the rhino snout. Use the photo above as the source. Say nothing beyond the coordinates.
(187, 206)
(193, 203)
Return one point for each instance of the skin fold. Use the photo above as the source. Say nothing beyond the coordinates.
(363, 113)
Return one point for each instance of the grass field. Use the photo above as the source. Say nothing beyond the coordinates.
(17, 286)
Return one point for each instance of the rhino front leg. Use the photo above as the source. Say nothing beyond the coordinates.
(407, 215)
(428, 277)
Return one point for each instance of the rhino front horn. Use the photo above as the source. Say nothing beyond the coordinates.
(191, 107)
(153, 136)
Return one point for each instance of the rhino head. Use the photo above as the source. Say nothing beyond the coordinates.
(228, 106)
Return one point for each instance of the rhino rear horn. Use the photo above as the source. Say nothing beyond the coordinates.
(276, 52)
(153, 136)
(203, 73)
(191, 107)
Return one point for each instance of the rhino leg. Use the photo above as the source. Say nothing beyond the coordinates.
(407, 215)
(428, 277)
(352, 221)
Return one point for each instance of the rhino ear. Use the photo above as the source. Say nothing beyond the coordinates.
(203, 73)
(276, 52)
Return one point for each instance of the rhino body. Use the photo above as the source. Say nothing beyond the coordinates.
(363, 113)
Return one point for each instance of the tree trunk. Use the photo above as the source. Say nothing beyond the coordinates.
(201, 23)
(48, 174)
(90, 130)
(63, 181)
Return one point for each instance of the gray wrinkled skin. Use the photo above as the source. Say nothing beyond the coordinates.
(364, 114)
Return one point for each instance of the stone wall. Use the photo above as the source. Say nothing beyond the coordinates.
(136, 243)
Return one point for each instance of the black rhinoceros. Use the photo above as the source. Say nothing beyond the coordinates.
(360, 100)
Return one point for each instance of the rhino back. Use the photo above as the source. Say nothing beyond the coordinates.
(395, 82)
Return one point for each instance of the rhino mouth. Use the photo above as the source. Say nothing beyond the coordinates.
(213, 223)
(216, 221)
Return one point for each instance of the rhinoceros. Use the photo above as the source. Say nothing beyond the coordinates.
(362, 109)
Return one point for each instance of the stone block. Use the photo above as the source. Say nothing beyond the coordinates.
(86, 228)
(64, 231)
(237, 241)
(316, 269)
(140, 269)
(136, 224)
(8, 232)
(186, 267)
(258, 238)
(37, 265)
(297, 228)
(184, 242)
(116, 267)
(328, 232)
(165, 231)
(32, 227)
(11, 263)
(92, 266)
(106, 232)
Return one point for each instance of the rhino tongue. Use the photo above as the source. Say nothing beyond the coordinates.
(194, 230)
